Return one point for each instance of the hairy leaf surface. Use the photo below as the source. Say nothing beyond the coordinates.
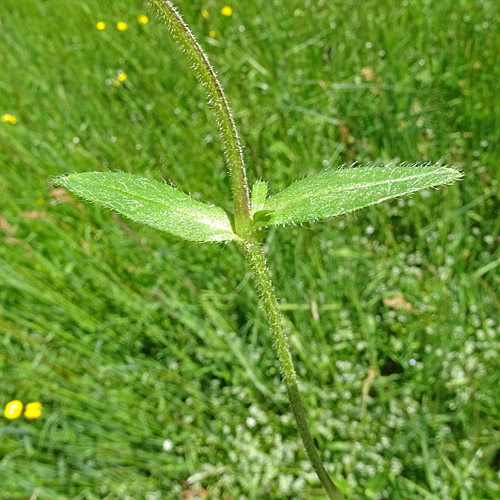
(337, 192)
(153, 203)
(259, 195)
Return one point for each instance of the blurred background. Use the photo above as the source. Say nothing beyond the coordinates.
(150, 356)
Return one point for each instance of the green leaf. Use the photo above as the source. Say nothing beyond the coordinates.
(259, 195)
(337, 192)
(153, 203)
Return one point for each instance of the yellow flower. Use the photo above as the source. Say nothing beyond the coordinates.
(9, 118)
(212, 34)
(101, 25)
(122, 26)
(40, 201)
(226, 11)
(13, 409)
(122, 76)
(33, 410)
(204, 14)
(143, 19)
(116, 83)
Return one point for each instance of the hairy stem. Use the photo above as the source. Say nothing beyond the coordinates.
(243, 222)
(217, 100)
(264, 285)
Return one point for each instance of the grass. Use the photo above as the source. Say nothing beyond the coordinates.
(134, 342)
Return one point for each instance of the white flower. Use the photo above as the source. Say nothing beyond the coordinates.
(167, 445)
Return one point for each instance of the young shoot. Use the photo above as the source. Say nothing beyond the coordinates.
(327, 194)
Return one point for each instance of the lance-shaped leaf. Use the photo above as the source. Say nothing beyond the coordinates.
(153, 203)
(337, 192)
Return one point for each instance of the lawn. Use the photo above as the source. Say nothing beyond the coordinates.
(150, 355)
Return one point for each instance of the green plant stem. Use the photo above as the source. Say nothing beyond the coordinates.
(217, 100)
(243, 223)
(264, 285)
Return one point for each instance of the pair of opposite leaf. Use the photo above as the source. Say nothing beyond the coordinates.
(328, 194)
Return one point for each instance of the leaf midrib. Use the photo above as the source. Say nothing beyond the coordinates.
(322, 192)
(176, 210)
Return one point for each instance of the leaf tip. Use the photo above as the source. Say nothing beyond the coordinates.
(457, 174)
(59, 180)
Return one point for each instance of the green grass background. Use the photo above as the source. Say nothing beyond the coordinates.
(130, 338)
